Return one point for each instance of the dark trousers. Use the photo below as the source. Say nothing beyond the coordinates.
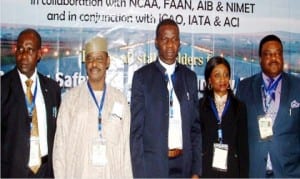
(175, 167)
(269, 174)
(45, 171)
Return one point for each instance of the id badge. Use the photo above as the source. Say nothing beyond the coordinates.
(220, 157)
(34, 154)
(98, 152)
(265, 127)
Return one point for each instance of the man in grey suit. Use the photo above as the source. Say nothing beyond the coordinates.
(272, 98)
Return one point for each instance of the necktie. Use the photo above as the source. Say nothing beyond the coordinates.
(34, 126)
(271, 91)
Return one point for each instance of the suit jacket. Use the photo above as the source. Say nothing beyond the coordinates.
(150, 121)
(234, 129)
(284, 147)
(15, 125)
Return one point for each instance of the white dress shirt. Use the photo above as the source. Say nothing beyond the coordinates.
(175, 124)
(41, 110)
(273, 109)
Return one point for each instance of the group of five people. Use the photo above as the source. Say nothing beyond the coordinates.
(166, 132)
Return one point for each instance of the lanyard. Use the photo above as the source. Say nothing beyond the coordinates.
(171, 91)
(219, 121)
(269, 92)
(30, 105)
(100, 106)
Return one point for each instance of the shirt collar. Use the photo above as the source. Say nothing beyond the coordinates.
(266, 78)
(220, 98)
(24, 77)
(169, 68)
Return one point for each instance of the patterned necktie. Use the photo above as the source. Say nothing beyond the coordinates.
(34, 126)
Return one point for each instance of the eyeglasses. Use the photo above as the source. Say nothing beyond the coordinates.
(22, 50)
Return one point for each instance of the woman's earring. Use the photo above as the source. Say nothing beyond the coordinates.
(228, 86)
(209, 86)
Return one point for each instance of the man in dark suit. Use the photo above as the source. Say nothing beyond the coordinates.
(272, 98)
(165, 136)
(24, 154)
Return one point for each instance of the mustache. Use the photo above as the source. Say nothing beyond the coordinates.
(273, 62)
(95, 68)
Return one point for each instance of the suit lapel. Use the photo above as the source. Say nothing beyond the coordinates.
(17, 90)
(257, 98)
(283, 99)
(179, 86)
(44, 87)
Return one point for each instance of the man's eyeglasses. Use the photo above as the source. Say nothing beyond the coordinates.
(21, 50)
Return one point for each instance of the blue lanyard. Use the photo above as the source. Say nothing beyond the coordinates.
(219, 121)
(30, 105)
(269, 92)
(171, 102)
(100, 106)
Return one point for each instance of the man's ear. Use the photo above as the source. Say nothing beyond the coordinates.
(107, 62)
(39, 54)
(155, 43)
(259, 60)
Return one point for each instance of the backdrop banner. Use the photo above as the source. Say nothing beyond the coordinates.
(232, 29)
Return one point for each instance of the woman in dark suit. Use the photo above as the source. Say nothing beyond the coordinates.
(224, 125)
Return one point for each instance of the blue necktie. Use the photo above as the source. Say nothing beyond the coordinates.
(271, 91)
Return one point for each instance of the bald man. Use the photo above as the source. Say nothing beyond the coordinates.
(92, 138)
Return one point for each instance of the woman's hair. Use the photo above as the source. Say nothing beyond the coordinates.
(211, 64)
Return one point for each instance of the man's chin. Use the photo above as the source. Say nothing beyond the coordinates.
(170, 60)
(25, 71)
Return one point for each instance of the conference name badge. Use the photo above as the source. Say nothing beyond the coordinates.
(98, 152)
(265, 127)
(34, 157)
(220, 157)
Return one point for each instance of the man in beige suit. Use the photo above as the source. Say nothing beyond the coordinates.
(92, 137)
